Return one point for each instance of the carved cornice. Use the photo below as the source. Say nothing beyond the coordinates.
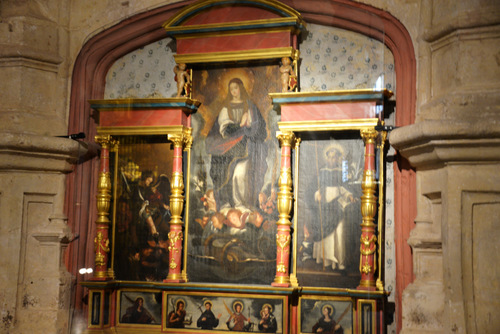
(462, 18)
(39, 153)
(19, 55)
(431, 144)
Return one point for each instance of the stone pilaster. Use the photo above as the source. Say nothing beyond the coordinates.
(454, 147)
(455, 236)
(36, 287)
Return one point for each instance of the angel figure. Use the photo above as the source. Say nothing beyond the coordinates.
(287, 75)
(182, 78)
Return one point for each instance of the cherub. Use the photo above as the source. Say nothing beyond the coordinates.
(234, 219)
(286, 72)
(209, 201)
(182, 78)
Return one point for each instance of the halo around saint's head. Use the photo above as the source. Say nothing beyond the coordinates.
(180, 301)
(331, 310)
(238, 302)
(333, 148)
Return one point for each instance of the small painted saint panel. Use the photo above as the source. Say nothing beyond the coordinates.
(225, 313)
(143, 170)
(140, 308)
(323, 315)
(234, 171)
(329, 209)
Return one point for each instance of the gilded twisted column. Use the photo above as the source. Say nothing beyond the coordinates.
(285, 198)
(101, 240)
(368, 248)
(175, 235)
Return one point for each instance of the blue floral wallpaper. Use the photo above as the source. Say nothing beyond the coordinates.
(146, 72)
(336, 59)
(331, 59)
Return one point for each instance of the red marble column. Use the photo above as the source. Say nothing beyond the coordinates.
(285, 198)
(368, 248)
(175, 236)
(101, 240)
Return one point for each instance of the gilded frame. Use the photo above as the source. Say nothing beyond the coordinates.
(99, 308)
(305, 131)
(96, 298)
(127, 301)
(367, 316)
(343, 313)
(135, 150)
(200, 178)
(224, 304)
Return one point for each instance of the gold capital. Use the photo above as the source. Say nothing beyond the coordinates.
(183, 140)
(369, 135)
(106, 141)
(286, 138)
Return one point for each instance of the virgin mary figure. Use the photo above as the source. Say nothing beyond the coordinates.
(236, 143)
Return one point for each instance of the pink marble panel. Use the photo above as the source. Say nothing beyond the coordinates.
(230, 14)
(145, 117)
(323, 111)
(234, 43)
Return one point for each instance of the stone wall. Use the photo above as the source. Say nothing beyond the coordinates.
(455, 148)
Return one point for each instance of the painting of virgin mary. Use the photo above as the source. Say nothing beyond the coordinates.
(234, 172)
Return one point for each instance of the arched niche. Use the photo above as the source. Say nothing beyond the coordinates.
(101, 51)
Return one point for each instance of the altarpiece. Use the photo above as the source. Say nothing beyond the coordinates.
(241, 203)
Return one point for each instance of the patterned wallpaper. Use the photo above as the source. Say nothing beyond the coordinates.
(146, 72)
(331, 59)
(336, 59)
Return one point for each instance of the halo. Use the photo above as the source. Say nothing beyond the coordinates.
(331, 147)
(267, 305)
(208, 302)
(178, 301)
(245, 76)
(332, 309)
(236, 303)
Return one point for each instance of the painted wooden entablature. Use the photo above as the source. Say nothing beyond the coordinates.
(228, 30)
(331, 109)
(143, 116)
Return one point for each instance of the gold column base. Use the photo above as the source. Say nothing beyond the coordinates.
(367, 285)
(100, 276)
(110, 273)
(380, 285)
(293, 280)
(281, 281)
(176, 278)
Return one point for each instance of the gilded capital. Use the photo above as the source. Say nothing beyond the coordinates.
(106, 141)
(286, 138)
(369, 135)
(177, 139)
(182, 140)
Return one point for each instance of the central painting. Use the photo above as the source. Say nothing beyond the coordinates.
(234, 168)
